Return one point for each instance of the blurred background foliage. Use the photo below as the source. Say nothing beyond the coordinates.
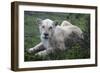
(32, 35)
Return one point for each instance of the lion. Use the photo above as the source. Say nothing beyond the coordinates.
(55, 37)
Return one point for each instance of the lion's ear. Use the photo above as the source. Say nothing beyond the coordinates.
(56, 23)
(39, 21)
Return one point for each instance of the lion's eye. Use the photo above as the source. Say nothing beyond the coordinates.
(43, 27)
(50, 28)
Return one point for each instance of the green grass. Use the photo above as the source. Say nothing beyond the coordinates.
(32, 35)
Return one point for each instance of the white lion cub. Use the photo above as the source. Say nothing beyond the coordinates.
(53, 37)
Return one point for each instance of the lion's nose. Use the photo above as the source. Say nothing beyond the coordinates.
(46, 34)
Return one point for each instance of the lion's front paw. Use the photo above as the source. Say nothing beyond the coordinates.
(31, 50)
(42, 53)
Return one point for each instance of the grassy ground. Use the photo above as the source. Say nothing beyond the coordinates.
(32, 35)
